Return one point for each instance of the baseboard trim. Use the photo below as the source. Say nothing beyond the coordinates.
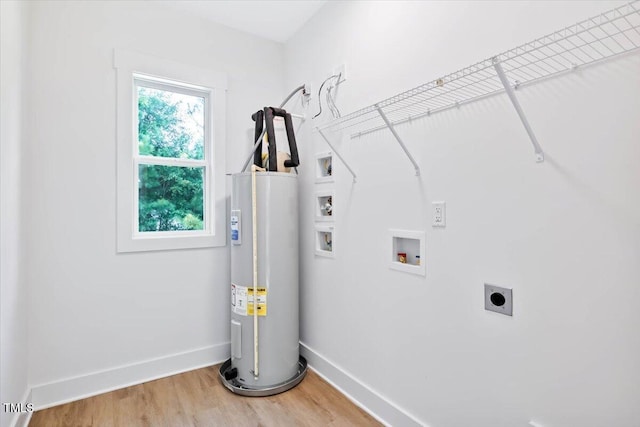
(358, 392)
(22, 419)
(80, 387)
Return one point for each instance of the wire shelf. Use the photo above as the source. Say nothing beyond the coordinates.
(610, 34)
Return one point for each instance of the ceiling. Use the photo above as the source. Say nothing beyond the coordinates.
(275, 20)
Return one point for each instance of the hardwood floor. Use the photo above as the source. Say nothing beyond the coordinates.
(197, 398)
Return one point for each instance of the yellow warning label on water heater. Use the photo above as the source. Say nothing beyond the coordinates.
(262, 301)
(242, 300)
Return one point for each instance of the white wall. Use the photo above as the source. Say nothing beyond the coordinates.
(94, 312)
(564, 234)
(14, 292)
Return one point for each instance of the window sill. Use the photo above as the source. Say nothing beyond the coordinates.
(166, 242)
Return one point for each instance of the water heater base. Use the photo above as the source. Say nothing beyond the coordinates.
(237, 388)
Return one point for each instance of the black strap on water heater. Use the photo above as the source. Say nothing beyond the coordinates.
(269, 114)
(258, 117)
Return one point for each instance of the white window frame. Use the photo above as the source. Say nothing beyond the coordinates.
(163, 74)
(206, 163)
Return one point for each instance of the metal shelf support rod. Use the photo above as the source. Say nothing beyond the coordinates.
(397, 137)
(516, 105)
(337, 154)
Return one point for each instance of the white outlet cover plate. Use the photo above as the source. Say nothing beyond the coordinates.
(498, 299)
(439, 214)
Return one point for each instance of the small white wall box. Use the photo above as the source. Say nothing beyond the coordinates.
(324, 167)
(408, 246)
(325, 236)
(324, 206)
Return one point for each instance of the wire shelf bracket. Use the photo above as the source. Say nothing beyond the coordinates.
(397, 137)
(516, 104)
(611, 34)
(338, 155)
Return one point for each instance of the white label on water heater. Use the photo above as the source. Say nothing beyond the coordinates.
(239, 299)
(236, 236)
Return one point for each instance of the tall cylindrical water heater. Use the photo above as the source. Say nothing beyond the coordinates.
(265, 356)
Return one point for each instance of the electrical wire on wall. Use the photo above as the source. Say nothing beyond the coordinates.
(335, 80)
(330, 101)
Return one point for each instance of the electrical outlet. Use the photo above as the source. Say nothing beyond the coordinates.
(498, 299)
(342, 71)
(439, 214)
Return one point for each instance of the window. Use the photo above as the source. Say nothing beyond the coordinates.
(170, 155)
(171, 160)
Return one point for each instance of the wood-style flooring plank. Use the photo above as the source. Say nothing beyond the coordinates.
(197, 399)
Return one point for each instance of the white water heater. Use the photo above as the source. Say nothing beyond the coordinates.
(265, 357)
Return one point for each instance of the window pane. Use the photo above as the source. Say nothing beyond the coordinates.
(170, 198)
(170, 124)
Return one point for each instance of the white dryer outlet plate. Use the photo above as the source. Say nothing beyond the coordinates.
(498, 299)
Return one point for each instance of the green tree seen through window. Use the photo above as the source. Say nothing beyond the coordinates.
(170, 125)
